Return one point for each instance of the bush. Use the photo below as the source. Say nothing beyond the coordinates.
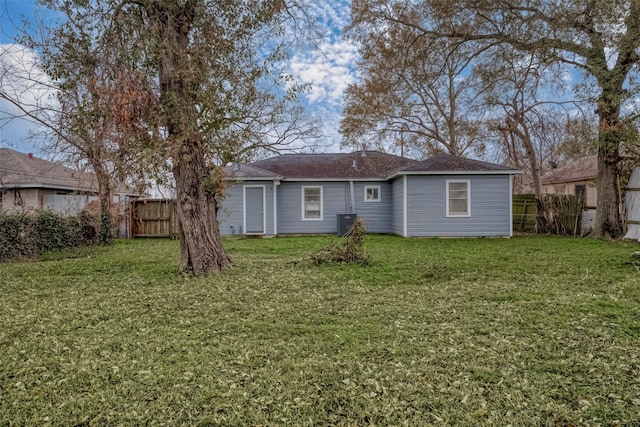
(26, 236)
(86, 227)
(16, 239)
(50, 231)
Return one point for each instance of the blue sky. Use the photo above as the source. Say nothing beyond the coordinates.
(14, 133)
(329, 70)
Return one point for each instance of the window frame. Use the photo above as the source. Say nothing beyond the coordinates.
(448, 198)
(303, 202)
(372, 187)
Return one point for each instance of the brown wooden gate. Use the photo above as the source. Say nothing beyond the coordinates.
(153, 218)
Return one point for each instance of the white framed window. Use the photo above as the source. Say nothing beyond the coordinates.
(312, 203)
(458, 198)
(371, 193)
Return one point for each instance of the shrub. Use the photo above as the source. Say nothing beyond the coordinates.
(86, 226)
(16, 239)
(50, 231)
(26, 236)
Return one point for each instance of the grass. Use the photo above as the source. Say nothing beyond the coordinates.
(522, 331)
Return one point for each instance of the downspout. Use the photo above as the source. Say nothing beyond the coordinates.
(353, 197)
(276, 183)
(405, 213)
(510, 205)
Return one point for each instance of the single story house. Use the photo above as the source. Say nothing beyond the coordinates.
(577, 177)
(28, 183)
(442, 196)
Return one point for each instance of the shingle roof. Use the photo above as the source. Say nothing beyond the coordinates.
(356, 165)
(451, 163)
(583, 169)
(21, 170)
(241, 170)
(27, 171)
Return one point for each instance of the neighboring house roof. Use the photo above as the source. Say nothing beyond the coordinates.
(21, 170)
(447, 163)
(584, 169)
(356, 165)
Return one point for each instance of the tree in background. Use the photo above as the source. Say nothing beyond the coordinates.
(80, 101)
(517, 87)
(580, 140)
(416, 91)
(598, 38)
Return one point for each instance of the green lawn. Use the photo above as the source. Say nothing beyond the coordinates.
(524, 331)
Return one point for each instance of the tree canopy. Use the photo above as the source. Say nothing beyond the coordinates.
(187, 85)
(599, 39)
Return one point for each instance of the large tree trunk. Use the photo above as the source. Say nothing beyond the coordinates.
(607, 222)
(200, 243)
(105, 233)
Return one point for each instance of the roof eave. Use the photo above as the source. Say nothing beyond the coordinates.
(47, 186)
(295, 179)
(448, 172)
(340, 179)
(252, 178)
(567, 181)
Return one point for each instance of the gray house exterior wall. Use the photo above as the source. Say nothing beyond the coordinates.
(490, 206)
(388, 193)
(335, 200)
(397, 222)
(376, 216)
(231, 213)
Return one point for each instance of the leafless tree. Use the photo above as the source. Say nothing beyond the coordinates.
(599, 38)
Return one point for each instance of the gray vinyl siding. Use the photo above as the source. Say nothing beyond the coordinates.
(376, 216)
(335, 200)
(426, 207)
(398, 206)
(490, 206)
(231, 213)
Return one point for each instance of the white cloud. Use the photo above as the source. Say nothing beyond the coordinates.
(23, 80)
(329, 68)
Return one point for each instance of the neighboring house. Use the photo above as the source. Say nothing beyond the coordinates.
(28, 183)
(577, 177)
(308, 194)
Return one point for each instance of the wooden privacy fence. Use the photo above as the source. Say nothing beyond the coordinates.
(524, 213)
(153, 218)
(559, 214)
(548, 214)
